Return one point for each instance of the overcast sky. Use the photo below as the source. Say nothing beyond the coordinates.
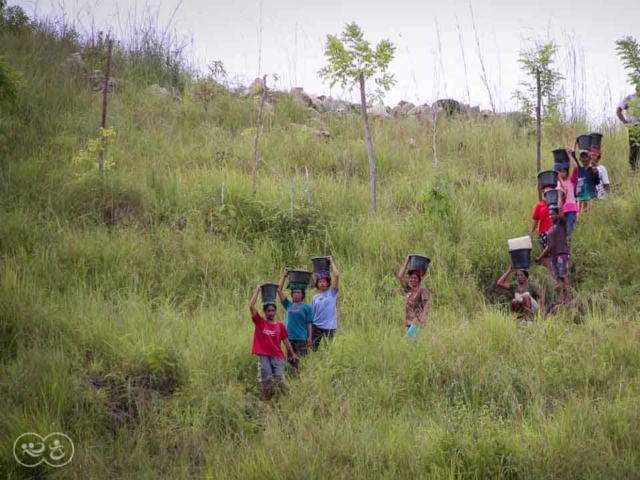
(286, 37)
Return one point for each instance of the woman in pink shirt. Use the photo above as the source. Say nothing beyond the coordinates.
(568, 190)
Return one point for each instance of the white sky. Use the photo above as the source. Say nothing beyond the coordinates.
(293, 34)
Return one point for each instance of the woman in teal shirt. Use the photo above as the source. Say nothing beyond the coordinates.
(299, 317)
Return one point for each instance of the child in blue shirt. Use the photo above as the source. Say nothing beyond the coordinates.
(299, 317)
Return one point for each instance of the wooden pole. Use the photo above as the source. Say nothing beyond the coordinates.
(256, 145)
(105, 90)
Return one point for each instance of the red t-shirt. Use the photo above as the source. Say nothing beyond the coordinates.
(541, 213)
(267, 337)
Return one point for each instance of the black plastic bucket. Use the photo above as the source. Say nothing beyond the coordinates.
(551, 196)
(596, 139)
(521, 259)
(548, 178)
(419, 263)
(269, 292)
(300, 277)
(321, 264)
(560, 156)
(584, 142)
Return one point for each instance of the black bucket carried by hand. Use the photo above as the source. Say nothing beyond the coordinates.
(269, 292)
(299, 277)
(419, 263)
(596, 139)
(560, 155)
(584, 142)
(321, 264)
(548, 178)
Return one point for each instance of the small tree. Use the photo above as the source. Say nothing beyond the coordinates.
(352, 61)
(629, 51)
(541, 93)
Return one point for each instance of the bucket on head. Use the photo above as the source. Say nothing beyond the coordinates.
(560, 155)
(418, 263)
(596, 139)
(269, 292)
(299, 277)
(547, 178)
(584, 142)
(521, 259)
(321, 264)
(551, 196)
(520, 243)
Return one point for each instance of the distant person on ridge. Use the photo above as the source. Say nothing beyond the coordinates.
(567, 190)
(526, 299)
(632, 104)
(585, 178)
(418, 297)
(267, 336)
(542, 220)
(299, 318)
(558, 247)
(324, 306)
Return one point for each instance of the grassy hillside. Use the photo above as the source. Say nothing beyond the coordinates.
(123, 302)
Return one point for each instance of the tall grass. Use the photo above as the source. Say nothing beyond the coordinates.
(123, 301)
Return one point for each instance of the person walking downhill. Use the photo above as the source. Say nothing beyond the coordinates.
(558, 247)
(585, 178)
(541, 219)
(324, 305)
(268, 334)
(603, 188)
(299, 318)
(567, 190)
(631, 105)
(418, 297)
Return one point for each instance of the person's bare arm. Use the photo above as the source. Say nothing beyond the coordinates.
(287, 344)
(544, 252)
(281, 294)
(336, 273)
(401, 273)
(532, 228)
(254, 299)
(502, 281)
(572, 158)
(621, 115)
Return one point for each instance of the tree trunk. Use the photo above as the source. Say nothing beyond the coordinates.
(538, 127)
(256, 145)
(105, 90)
(367, 133)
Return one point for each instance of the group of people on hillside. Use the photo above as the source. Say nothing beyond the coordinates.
(577, 189)
(306, 325)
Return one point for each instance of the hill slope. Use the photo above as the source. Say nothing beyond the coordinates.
(123, 301)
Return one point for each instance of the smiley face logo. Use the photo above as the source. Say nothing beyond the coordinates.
(56, 449)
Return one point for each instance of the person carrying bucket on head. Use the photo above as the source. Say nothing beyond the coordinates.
(418, 297)
(558, 247)
(567, 189)
(584, 177)
(268, 334)
(324, 304)
(527, 300)
(541, 219)
(299, 314)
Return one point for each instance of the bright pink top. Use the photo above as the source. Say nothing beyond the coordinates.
(569, 189)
